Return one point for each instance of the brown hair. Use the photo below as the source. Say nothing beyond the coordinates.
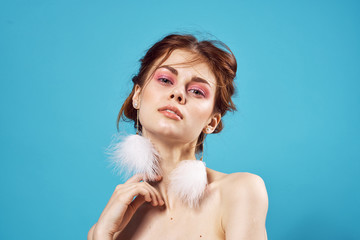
(216, 54)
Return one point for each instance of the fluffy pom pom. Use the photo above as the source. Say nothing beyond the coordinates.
(188, 181)
(135, 155)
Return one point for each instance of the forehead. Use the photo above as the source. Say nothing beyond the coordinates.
(189, 63)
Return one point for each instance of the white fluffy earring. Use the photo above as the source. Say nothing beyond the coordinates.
(136, 155)
(188, 181)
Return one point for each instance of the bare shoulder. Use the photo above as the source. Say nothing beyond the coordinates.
(239, 187)
(245, 181)
(244, 186)
(243, 204)
(237, 182)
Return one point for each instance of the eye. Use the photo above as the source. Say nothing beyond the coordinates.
(197, 92)
(164, 80)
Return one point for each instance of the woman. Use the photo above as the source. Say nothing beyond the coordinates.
(182, 90)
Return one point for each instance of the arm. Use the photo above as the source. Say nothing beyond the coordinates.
(91, 232)
(245, 206)
(122, 206)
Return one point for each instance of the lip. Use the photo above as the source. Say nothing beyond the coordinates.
(177, 115)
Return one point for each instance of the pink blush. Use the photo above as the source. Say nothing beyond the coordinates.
(158, 76)
(201, 89)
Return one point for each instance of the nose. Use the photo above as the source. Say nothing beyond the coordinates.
(178, 96)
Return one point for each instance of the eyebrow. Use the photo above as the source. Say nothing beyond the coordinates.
(171, 69)
(174, 71)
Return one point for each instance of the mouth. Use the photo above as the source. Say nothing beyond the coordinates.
(171, 112)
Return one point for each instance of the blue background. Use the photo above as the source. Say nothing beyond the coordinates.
(65, 68)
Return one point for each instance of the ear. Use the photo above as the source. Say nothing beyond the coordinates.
(136, 97)
(212, 124)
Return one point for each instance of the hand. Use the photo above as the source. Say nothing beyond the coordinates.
(121, 206)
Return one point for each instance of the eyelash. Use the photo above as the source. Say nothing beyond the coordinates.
(196, 91)
(164, 80)
(199, 92)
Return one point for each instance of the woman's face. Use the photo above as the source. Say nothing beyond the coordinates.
(177, 102)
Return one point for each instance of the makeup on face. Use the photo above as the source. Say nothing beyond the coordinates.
(196, 87)
(178, 98)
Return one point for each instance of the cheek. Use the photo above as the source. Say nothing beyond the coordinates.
(149, 94)
(202, 112)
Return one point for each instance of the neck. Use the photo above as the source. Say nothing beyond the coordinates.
(171, 152)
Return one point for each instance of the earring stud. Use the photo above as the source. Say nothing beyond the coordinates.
(135, 105)
(207, 129)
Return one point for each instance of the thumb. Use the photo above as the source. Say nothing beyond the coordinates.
(133, 206)
(137, 202)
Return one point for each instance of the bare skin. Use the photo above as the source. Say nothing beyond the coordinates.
(222, 214)
(234, 205)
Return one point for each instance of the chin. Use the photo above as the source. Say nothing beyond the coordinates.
(166, 131)
(169, 133)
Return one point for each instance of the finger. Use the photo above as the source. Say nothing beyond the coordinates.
(155, 179)
(157, 199)
(147, 187)
(141, 190)
(138, 201)
(146, 190)
(140, 177)
(136, 178)
(157, 195)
